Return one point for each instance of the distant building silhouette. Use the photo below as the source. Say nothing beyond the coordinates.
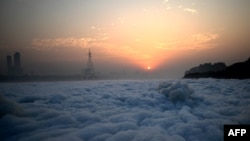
(240, 70)
(9, 65)
(15, 70)
(89, 72)
(207, 67)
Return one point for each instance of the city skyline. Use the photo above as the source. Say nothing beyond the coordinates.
(87, 72)
(167, 36)
(14, 68)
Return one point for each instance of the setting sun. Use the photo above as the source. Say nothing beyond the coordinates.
(129, 37)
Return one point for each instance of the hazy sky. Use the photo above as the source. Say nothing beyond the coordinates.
(125, 36)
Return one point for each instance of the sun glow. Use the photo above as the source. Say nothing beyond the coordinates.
(141, 38)
(149, 68)
(145, 38)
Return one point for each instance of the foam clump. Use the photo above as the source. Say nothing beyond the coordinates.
(176, 92)
(8, 107)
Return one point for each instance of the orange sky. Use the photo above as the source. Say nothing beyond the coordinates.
(163, 34)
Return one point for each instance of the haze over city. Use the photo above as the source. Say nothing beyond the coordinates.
(162, 38)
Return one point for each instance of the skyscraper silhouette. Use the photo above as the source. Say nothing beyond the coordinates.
(9, 65)
(17, 64)
(89, 72)
(15, 70)
(17, 60)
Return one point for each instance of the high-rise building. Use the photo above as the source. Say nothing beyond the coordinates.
(89, 72)
(9, 65)
(15, 70)
(17, 60)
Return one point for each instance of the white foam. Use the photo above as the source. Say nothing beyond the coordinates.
(183, 110)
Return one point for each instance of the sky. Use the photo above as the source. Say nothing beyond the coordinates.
(160, 38)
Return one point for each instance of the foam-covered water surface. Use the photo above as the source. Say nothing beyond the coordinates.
(129, 110)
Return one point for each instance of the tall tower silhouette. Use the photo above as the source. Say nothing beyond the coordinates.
(15, 70)
(9, 65)
(89, 72)
(17, 64)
